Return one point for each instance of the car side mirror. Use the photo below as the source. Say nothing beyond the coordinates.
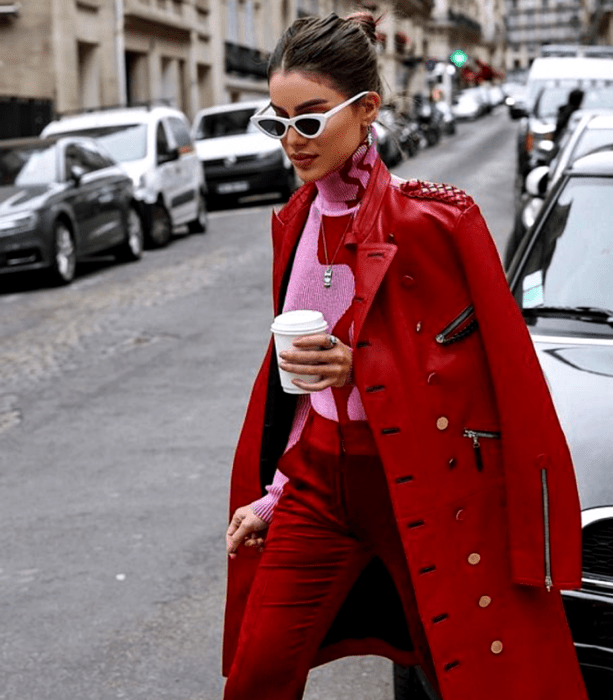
(169, 156)
(537, 181)
(76, 174)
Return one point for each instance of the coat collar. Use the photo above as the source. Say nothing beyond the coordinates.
(373, 255)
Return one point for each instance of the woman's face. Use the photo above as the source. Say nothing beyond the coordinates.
(295, 93)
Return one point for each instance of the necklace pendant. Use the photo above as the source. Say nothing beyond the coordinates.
(328, 277)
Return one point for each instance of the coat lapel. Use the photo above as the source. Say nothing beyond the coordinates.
(373, 255)
(373, 261)
(286, 229)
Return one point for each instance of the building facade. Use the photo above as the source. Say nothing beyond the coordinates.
(533, 23)
(59, 56)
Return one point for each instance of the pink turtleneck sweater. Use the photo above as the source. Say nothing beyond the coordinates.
(338, 199)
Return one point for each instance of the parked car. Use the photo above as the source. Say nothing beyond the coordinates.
(515, 96)
(388, 145)
(238, 159)
(60, 200)
(154, 145)
(468, 105)
(561, 278)
(496, 95)
(447, 118)
(591, 132)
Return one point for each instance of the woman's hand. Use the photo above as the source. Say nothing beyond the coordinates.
(243, 528)
(315, 354)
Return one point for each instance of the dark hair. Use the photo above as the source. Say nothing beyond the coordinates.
(343, 51)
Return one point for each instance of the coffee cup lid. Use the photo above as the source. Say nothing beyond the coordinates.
(300, 321)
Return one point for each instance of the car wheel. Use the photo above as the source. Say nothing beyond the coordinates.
(161, 226)
(201, 222)
(132, 248)
(64, 254)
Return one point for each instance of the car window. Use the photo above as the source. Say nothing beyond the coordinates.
(92, 157)
(103, 158)
(598, 95)
(34, 165)
(124, 142)
(76, 156)
(224, 124)
(161, 141)
(180, 133)
(571, 262)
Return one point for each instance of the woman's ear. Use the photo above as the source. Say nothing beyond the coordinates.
(371, 104)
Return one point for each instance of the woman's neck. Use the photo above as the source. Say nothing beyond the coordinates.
(343, 189)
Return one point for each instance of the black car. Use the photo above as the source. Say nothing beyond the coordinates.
(562, 279)
(63, 198)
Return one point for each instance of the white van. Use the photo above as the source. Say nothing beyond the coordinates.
(155, 147)
(584, 70)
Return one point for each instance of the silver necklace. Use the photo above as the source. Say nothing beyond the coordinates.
(329, 263)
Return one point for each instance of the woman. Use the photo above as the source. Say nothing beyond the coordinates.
(421, 500)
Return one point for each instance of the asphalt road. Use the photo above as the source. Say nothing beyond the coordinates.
(121, 399)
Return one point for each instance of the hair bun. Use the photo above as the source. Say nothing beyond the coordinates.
(366, 22)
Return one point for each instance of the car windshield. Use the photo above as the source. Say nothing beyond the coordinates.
(124, 142)
(598, 95)
(233, 123)
(33, 165)
(571, 262)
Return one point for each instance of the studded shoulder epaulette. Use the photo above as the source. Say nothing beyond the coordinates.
(441, 192)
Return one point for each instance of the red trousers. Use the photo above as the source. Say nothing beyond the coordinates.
(333, 519)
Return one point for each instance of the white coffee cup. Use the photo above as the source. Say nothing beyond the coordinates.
(288, 326)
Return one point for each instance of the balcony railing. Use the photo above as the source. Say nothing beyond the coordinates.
(245, 61)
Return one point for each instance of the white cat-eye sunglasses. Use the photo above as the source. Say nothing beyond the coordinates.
(308, 125)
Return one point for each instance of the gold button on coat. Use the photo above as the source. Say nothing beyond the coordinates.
(474, 558)
(418, 327)
(484, 601)
(442, 423)
(496, 647)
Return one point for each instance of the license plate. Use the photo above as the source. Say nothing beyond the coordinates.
(232, 187)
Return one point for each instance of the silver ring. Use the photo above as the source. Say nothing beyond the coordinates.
(333, 340)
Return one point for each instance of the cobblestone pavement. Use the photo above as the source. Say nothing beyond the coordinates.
(46, 331)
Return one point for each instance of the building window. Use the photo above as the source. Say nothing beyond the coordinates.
(232, 21)
(249, 24)
(169, 80)
(308, 8)
(89, 75)
(137, 77)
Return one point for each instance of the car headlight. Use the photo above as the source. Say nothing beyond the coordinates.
(15, 223)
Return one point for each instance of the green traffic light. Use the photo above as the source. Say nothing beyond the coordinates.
(458, 58)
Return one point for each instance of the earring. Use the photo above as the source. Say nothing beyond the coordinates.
(370, 139)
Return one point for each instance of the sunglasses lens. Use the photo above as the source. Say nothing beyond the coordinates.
(308, 126)
(272, 126)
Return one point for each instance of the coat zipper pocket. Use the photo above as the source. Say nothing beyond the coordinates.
(447, 335)
(546, 531)
(475, 435)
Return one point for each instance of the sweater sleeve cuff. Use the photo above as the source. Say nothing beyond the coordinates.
(264, 507)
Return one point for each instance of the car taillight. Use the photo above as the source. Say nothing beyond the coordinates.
(529, 142)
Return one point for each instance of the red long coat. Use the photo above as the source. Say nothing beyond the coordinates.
(484, 526)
